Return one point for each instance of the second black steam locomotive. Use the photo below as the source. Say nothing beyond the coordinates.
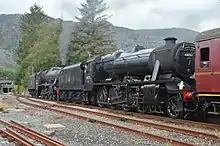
(146, 80)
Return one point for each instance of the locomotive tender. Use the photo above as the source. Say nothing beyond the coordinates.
(147, 80)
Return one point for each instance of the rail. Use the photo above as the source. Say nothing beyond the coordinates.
(14, 137)
(28, 132)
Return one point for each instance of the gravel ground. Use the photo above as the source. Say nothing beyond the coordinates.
(172, 135)
(215, 132)
(76, 132)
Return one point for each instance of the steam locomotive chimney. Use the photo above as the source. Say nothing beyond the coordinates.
(170, 40)
(62, 65)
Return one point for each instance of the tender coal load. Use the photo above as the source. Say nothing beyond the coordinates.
(174, 58)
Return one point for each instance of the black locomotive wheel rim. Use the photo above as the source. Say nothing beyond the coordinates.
(100, 98)
(172, 106)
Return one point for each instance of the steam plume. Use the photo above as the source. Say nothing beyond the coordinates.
(64, 39)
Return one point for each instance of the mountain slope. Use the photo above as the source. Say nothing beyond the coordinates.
(128, 38)
(125, 38)
(9, 36)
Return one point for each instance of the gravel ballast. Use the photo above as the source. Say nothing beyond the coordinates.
(80, 132)
(154, 131)
(177, 125)
(76, 132)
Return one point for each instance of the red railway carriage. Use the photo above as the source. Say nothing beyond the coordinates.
(207, 67)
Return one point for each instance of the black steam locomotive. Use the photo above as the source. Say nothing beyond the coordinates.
(146, 80)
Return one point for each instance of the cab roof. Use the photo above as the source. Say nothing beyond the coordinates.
(208, 34)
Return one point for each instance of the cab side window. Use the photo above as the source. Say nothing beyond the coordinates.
(204, 57)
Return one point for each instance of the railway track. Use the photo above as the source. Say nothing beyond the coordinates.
(60, 108)
(190, 123)
(137, 121)
(163, 119)
(14, 131)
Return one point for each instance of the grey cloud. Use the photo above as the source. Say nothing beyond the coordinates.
(122, 4)
(14, 6)
(190, 17)
(136, 14)
(195, 19)
(70, 8)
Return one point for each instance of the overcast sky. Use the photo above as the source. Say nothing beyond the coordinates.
(136, 14)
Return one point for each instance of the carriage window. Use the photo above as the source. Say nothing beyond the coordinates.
(204, 57)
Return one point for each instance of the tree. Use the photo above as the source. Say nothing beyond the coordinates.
(29, 24)
(45, 52)
(92, 34)
(7, 73)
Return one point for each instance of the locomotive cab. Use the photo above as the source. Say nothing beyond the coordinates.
(92, 73)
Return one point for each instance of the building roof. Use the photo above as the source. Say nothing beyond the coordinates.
(209, 34)
(6, 81)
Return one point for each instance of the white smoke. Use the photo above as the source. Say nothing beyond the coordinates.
(64, 39)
